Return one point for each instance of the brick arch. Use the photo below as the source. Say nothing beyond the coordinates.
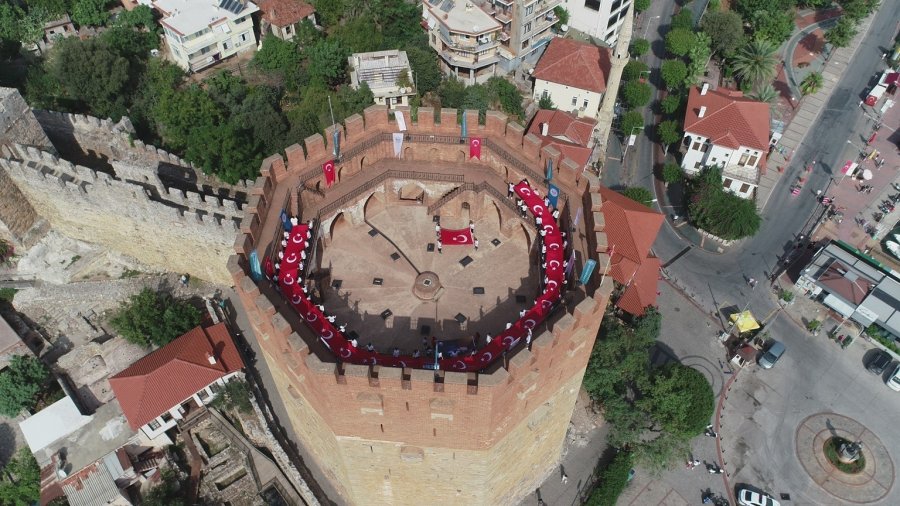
(461, 156)
(339, 222)
(374, 205)
(434, 154)
(409, 153)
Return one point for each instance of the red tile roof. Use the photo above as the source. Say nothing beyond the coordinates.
(630, 229)
(852, 288)
(576, 64)
(284, 12)
(730, 119)
(642, 291)
(565, 132)
(171, 374)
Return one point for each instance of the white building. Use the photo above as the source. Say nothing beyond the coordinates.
(466, 38)
(573, 75)
(177, 380)
(598, 18)
(201, 33)
(381, 70)
(723, 128)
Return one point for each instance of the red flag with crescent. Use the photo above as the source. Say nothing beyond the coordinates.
(328, 169)
(475, 148)
(451, 237)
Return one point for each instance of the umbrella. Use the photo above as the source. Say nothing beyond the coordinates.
(744, 321)
(867, 174)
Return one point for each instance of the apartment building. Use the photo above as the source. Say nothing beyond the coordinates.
(200, 34)
(478, 39)
(597, 18)
(387, 73)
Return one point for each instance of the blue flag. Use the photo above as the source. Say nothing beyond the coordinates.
(465, 131)
(549, 169)
(337, 143)
(553, 195)
(587, 271)
(286, 221)
(255, 268)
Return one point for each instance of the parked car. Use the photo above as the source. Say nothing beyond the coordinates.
(772, 354)
(893, 380)
(748, 497)
(879, 362)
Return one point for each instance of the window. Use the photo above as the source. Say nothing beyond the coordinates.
(594, 5)
(574, 101)
(745, 188)
(615, 6)
(697, 145)
(753, 160)
(243, 37)
(166, 416)
(215, 387)
(727, 183)
(226, 45)
(529, 10)
(240, 20)
(744, 158)
(527, 27)
(154, 425)
(697, 165)
(584, 105)
(545, 94)
(203, 394)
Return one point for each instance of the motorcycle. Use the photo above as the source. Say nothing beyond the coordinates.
(877, 216)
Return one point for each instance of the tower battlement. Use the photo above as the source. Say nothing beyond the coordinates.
(398, 435)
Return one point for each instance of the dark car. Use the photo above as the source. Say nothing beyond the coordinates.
(879, 362)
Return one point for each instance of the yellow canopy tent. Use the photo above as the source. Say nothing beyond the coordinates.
(745, 322)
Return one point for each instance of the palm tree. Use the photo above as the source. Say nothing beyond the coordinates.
(756, 61)
(811, 83)
(765, 94)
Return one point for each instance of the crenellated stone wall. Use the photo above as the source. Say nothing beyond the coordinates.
(407, 436)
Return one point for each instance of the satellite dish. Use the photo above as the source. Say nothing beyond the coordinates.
(564, 28)
(61, 474)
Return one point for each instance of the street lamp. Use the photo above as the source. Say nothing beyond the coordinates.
(647, 26)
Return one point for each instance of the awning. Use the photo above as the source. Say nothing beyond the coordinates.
(744, 322)
(838, 305)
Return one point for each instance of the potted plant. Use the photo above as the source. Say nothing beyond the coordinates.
(786, 296)
(814, 326)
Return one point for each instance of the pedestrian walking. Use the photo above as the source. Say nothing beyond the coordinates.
(509, 190)
(565, 479)
(437, 230)
(440, 247)
(476, 244)
(472, 227)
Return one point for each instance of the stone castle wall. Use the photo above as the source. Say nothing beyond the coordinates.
(401, 436)
(87, 178)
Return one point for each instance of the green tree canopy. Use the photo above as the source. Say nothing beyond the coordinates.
(639, 47)
(20, 480)
(669, 132)
(90, 12)
(766, 93)
(546, 102)
(680, 399)
(91, 72)
(720, 212)
(154, 318)
(639, 194)
(631, 121)
(636, 94)
(671, 173)
(167, 493)
(562, 14)
(633, 70)
(452, 93)
(842, 32)
(725, 30)
(328, 62)
(613, 480)
(774, 26)
(673, 73)
(756, 62)
(642, 5)
(671, 103)
(683, 20)
(426, 71)
(811, 83)
(680, 41)
(235, 395)
(20, 384)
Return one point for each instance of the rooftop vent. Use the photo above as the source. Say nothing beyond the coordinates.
(702, 111)
(704, 89)
(211, 359)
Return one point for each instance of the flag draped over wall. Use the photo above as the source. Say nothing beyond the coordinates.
(549, 169)
(475, 148)
(464, 131)
(401, 121)
(328, 170)
(553, 195)
(398, 144)
(336, 137)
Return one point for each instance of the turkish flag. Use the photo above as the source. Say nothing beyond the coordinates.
(328, 169)
(475, 148)
(451, 237)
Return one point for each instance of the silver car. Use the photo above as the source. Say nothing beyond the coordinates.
(748, 497)
(775, 351)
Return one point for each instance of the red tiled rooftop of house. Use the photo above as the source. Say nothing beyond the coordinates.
(730, 119)
(565, 132)
(284, 12)
(630, 228)
(576, 64)
(642, 289)
(173, 373)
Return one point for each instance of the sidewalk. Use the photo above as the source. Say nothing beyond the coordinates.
(807, 114)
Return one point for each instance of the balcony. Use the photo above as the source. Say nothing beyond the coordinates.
(507, 3)
(503, 36)
(477, 62)
(502, 18)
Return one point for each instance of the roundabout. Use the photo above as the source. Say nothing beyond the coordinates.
(865, 481)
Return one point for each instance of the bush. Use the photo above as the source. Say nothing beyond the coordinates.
(20, 384)
(151, 318)
(235, 395)
(546, 102)
(20, 480)
(672, 173)
(879, 335)
(813, 325)
(787, 295)
(639, 194)
(718, 211)
(613, 481)
(639, 47)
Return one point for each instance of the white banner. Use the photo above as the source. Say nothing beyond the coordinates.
(398, 144)
(401, 121)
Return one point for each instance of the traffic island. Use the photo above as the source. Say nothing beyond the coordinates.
(844, 458)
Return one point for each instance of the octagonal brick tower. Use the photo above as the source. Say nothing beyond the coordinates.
(412, 436)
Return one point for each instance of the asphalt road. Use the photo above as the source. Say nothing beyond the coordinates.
(709, 277)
